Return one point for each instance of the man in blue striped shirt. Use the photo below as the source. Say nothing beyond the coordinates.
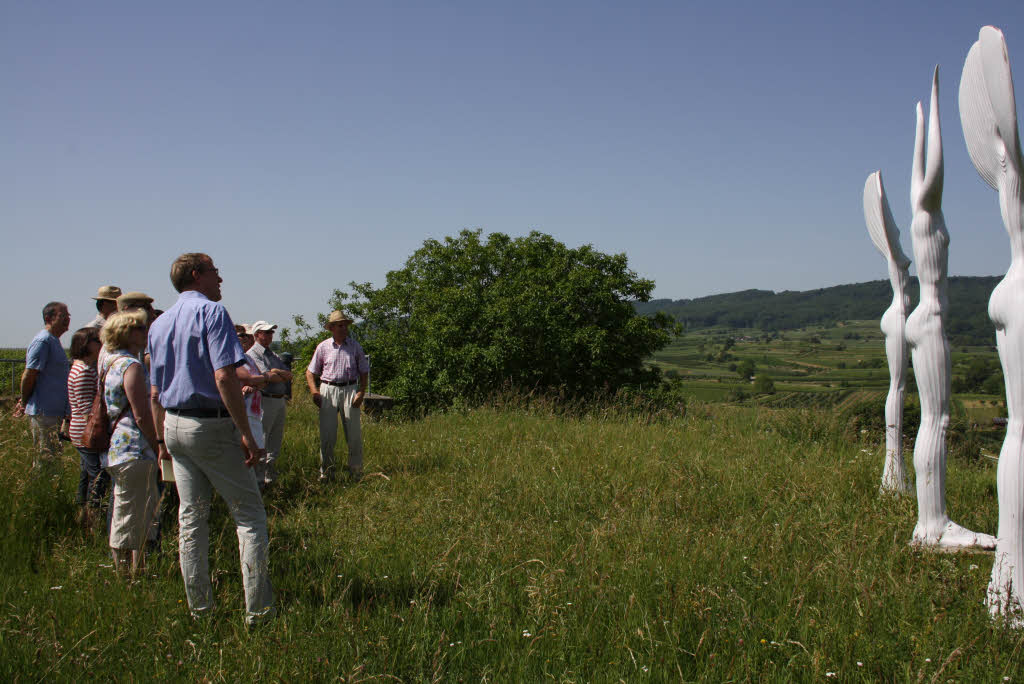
(197, 402)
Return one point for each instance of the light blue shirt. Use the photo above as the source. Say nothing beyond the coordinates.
(50, 395)
(187, 343)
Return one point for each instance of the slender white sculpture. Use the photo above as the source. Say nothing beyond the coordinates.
(929, 347)
(886, 237)
(988, 113)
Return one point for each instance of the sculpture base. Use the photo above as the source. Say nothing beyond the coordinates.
(954, 539)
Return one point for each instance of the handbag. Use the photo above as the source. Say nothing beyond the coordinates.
(98, 429)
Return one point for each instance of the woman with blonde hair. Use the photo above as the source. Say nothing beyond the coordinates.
(131, 459)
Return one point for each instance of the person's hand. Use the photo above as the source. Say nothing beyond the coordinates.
(163, 453)
(317, 399)
(19, 409)
(247, 389)
(357, 401)
(253, 454)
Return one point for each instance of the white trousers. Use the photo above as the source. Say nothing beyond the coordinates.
(335, 400)
(274, 412)
(207, 455)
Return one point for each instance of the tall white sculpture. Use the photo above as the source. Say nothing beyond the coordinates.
(988, 113)
(929, 347)
(886, 236)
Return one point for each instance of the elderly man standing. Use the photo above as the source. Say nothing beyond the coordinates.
(278, 375)
(197, 402)
(106, 304)
(44, 386)
(338, 366)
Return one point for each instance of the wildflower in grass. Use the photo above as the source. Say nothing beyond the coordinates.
(830, 675)
(860, 664)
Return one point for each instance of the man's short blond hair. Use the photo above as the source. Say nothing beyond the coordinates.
(181, 269)
(117, 331)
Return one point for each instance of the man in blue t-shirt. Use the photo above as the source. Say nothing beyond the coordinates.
(44, 385)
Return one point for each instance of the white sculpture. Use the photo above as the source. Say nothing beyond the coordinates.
(989, 117)
(929, 347)
(886, 236)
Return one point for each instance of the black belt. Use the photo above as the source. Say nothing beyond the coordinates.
(201, 412)
(340, 384)
(273, 396)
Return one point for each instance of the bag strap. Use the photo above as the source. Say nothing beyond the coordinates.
(103, 398)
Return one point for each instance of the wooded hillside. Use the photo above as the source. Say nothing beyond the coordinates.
(767, 310)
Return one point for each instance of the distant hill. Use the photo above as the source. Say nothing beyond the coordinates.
(766, 310)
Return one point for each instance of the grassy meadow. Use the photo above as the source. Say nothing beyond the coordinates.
(521, 542)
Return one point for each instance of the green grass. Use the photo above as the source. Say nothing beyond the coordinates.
(517, 544)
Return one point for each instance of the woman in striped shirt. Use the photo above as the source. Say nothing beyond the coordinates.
(82, 383)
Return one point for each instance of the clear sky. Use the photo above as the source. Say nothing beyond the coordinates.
(721, 146)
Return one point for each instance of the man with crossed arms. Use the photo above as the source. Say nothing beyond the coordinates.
(199, 411)
(342, 369)
(278, 376)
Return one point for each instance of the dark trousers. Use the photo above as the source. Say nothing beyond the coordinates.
(92, 479)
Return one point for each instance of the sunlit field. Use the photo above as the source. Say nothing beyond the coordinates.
(518, 543)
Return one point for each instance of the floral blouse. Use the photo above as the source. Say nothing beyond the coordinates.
(126, 442)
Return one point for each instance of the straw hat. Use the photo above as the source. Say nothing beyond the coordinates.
(109, 293)
(338, 317)
(130, 298)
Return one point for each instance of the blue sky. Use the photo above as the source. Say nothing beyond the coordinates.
(721, 146)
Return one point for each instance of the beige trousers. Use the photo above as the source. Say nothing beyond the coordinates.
(45, 431)
(334, 401)
(135, 498)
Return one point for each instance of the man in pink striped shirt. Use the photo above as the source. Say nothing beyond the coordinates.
(336, 377)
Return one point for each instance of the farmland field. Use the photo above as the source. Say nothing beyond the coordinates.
(827, 363)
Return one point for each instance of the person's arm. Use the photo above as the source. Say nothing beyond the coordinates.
(247, 379)
(28, 386)
(138, 400)
(311, 381)
(230, 390)
(158, 421)
(357, 401)
(278, 375)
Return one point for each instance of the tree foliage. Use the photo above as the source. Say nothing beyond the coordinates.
(467, 316)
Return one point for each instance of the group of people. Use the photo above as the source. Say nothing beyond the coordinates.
(190, 393)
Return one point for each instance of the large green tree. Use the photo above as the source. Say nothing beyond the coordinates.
(467, 316)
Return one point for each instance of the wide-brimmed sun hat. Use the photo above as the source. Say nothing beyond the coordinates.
(339, 317)
(137, 298)
(108, 292)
